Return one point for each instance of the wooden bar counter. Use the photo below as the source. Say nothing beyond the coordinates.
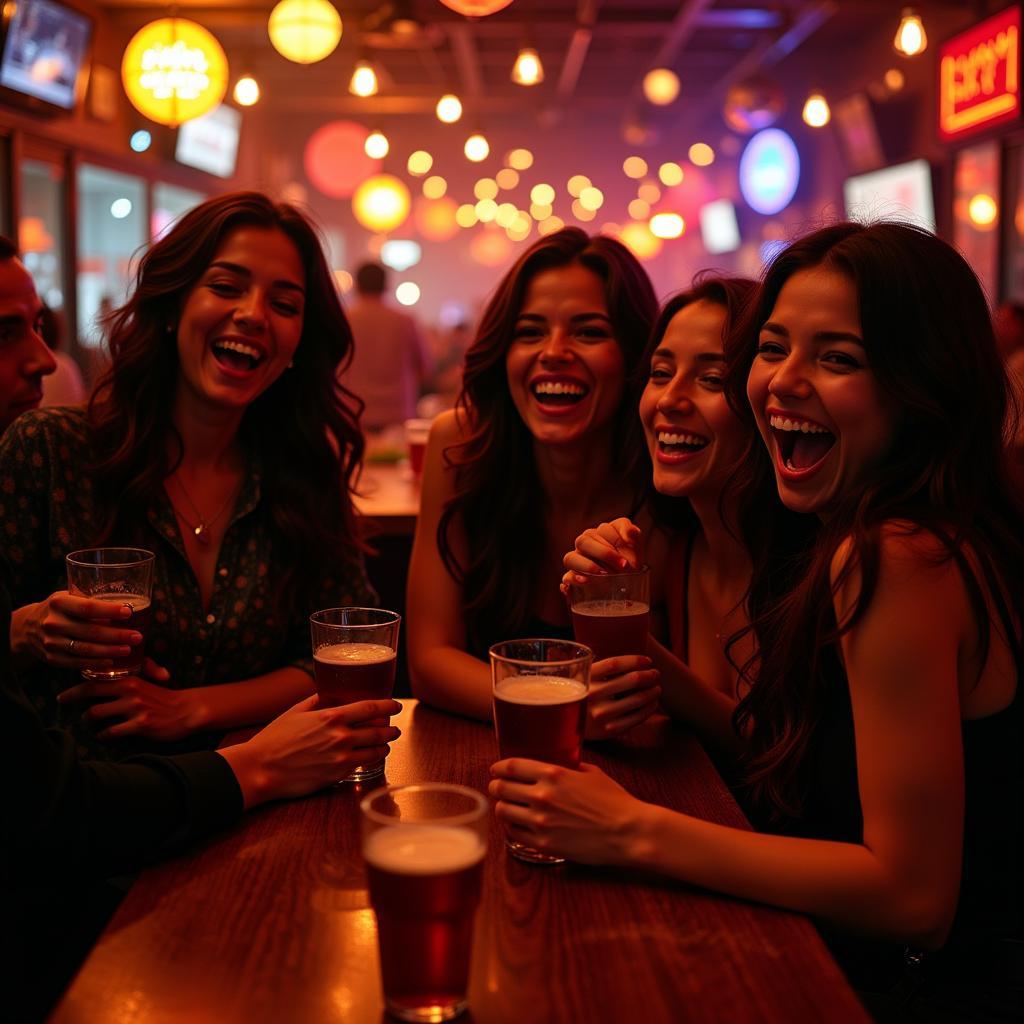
(270, 922)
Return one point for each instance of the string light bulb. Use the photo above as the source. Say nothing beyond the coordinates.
(246, 91)
(528, 69)
(376, 145)
(817, 112)
(477, 148)
(911, 38)
(449, 108)
(364, 80)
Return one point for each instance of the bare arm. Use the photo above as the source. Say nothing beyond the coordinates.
(902, 880)
(442, 673)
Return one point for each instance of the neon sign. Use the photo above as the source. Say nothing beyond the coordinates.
(979, 76)
(769, 171)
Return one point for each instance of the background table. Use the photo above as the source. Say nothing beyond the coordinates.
(270, 922)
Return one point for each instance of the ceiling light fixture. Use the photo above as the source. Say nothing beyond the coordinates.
(528, 69)
(449, 108)
(364, 80)
(911, 38)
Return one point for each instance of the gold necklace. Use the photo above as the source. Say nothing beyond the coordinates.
(201, 528)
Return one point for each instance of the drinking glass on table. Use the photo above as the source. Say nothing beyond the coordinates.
(611, 612)
(540, 708)
(119, 576)
(354, 651)
(424, 848)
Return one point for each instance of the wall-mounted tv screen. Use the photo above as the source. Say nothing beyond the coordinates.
(901, 192)
(45, 51)
(210, 142)
(718, 227)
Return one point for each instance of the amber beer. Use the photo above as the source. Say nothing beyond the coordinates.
(424, 887)
(611, 612)
(350, 672)
(353, 660)
(424, 849)
(540, 709)
(540, 717)
(129, 664)
(612, 628)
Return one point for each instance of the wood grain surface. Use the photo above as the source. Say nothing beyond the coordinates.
(270, 922)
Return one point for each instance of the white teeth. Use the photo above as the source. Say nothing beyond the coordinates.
(554, 388)
(238, 346)
(780, 423)
(692, 439)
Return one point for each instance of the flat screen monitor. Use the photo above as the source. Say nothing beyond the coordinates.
(901, 192)
(45, 54)
(718, 227)
(210, 143)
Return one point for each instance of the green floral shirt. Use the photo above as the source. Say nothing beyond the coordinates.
(47, 509)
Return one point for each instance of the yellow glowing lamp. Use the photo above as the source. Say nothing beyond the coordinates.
(381, 203)
(476, 8)
(661, 86)
(816, 111)
(983, 210)
(173, 70)
(638, 238)
(304, 31)
(911, 38)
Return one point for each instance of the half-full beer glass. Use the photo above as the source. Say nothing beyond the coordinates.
(354, 651)
(611, 612)
(540, 708)
(120, 576)
(424, 848)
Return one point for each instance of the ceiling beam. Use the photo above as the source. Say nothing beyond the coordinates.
(576, 54)
(467, 60)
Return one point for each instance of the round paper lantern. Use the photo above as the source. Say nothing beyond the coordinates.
(476, 8)
(435, 218)
(335, 159)
(381, 203)
(754, 104)
(304, 31)
(173, 70)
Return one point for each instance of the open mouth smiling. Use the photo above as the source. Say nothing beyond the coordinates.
(558, 391)
(802, 444)
(680, 443)
(236, 356)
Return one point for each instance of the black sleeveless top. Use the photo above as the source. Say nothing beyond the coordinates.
(533, 626)
(989, 907)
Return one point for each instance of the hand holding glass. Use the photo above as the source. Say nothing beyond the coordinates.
(354, 651)
(118, 576)
(540, 708)
(611, 612)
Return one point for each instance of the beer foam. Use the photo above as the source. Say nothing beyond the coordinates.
(540, 690)
(354, 654)
(610, 608)
(423, 849)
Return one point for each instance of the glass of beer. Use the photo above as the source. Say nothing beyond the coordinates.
(424, 848)
(354, 652)
(121, 576)
(611, 612)
(540, 708)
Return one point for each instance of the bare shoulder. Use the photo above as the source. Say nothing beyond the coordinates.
(449, 428)
(904, 548)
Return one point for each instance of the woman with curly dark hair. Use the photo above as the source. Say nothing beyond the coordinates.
(543, 442)
(881, 718)
(218, 439)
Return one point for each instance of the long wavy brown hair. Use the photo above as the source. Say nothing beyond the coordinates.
(929, 340)
(305, 427)
(497, 501)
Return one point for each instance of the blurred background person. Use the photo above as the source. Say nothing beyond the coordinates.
(391, 359)
(65, 385)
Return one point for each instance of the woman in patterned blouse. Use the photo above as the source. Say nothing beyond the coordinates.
(219, 439)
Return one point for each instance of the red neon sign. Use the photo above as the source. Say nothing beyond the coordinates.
(979, 76)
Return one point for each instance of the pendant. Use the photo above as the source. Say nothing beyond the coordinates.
(200, 533)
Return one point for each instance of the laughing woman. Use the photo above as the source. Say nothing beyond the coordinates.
(217, 439)
(881, 721)
(542, 443)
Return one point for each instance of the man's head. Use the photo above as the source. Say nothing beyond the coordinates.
(24, 357)
(371, 279)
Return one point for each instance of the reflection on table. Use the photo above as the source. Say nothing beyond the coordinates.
(271, 922)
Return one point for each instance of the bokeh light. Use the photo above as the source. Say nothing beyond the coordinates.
(550, 224)
(639, 210)
(520, 159)
(591, 198)
(667, 225)
(435, 186)
(247, 91)
(335, 159)
(486, 210)
(542, 193)
(436, 219)
(485, 188)
(408, 293)
(701, 154)
(304, 31)
(465, 215)
(449, 108)
(634, 166)
(670, 174)
(381, 203)
(376, 145)
(507, 178)
(577, 183)
(637, 237)
(419, 162)
(661, 86)
(649, 193)
(477, 148)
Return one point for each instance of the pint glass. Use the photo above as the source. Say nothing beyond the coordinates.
(611, 612)
(424, 848)
(540, 708)
(354, 652)
(120, 576)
